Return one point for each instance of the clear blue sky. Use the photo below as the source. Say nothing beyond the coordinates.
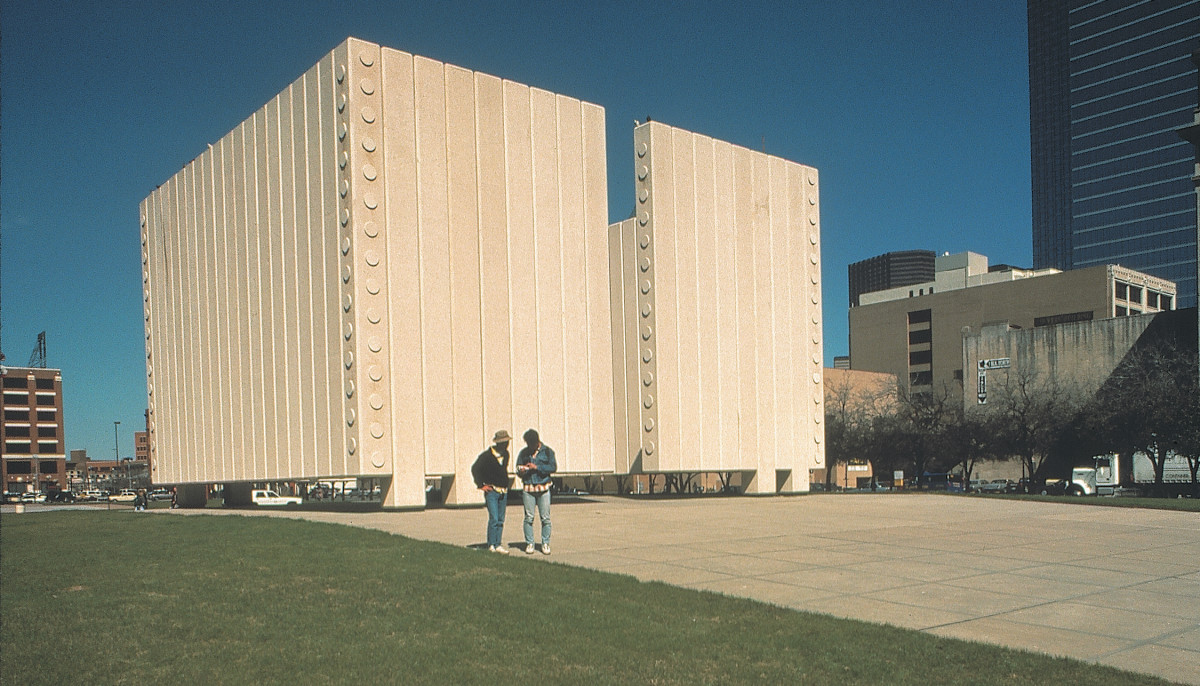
(915, 113)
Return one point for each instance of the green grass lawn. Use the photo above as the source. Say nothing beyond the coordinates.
(104, 597)
(1177, 504)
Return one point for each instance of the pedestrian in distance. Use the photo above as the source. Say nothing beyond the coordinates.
(490, 472)
(535, 464)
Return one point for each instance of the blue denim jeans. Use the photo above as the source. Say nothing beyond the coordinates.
(542, 502)
(496, 504)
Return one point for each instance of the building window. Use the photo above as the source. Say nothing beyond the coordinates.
(16, 398)
(15, 382)
(1151, 300)
(44, 384)
(1135, 294)
(1166, 302)
(47, 432)
(920, 316)
(1122, 291)
(48, 467)
(17, 448)
(920, 357)
(17, 415)
(1122, 312)
(18, 431)
(45, 400)
(920, 378)
(920, 336)
(47, 447)
(958, 375)
(45, 415)
(19, 466)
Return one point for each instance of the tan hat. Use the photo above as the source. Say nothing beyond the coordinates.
(501, 436)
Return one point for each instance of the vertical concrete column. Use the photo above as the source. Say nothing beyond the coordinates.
(191, 495)
(237, 494)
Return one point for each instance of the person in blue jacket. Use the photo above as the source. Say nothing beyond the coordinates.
(535, 464)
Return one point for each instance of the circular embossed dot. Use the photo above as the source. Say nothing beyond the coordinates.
(647, 355)
(812, 238)
(342, 131)
(370, 201)
(346, 274)
(816, 319)
(367, 59)
(373, 316)
(646, 310)
(816, 400)
(369, 172)
(377, 430)
(645, 241)
(812, 258)
(643, 195)
(817, 419)
(814, 298)
(816, 338)
(371, 228)
(372, 258)
(341, 72)
(817, 438)
(816, 358)
(648, 425)
(349, 359)
(345, 246)
(646, 286)
(368, 115)
(341, 101)
(648, 402)
(375, 344)
(376, 402)
(377, 459)
(647, 332)
(642, 148)
(349, 330)
(643, 218)
(368, 144)
(352, 445)
(816, 377)
(349, 388)
(344, 187)
(345, 217)
(812, 220)
(649, 449)
(645, 264)
(367, 86)
(648, 378)
(375, 373)
(351, 415)
(347, 301)
(812, 200)
(344, 159)
(372, 286)
(642, 172)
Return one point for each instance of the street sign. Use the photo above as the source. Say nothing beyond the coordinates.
(995, 363)
(982, 395)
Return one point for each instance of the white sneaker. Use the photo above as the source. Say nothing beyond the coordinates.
(545, 548)
(528, 548)
(501, 549)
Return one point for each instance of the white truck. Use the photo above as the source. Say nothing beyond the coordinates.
(1104, 478)
(264, 497)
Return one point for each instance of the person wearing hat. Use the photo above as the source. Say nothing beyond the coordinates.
(535, 464)
(490, 472)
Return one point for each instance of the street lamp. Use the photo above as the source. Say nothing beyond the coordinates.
(116, 444)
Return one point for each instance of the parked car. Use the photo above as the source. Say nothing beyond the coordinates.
(160, 494)
(60, 497)
(125, 496)
(33, 497)
(93, 496)
(265, 497)
(994, 486)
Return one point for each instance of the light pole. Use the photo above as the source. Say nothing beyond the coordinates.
(116, 444)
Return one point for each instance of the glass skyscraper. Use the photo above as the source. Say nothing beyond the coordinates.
(1110, 84)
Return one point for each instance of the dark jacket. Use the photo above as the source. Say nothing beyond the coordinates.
(489, 471)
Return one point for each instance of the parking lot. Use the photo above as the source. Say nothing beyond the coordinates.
(1108, 585)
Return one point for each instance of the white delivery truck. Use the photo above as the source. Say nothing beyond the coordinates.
(1104, 477)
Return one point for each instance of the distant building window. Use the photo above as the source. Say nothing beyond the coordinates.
(45, 400)
(920, 336)
(15, 382)
(17, 448)
(18, 431)
(48, 467)
(1122, 312)
(1122, 291)
(19, 466)
(920, 378)
(958, 375)
(1135, 294)
(920, 357)
(1151, 300)
(920, 316)
(47, 432)
(45, 384)
(45, 415)
(1165, 301)
(47, 447)
(16, 398)
(16, 415)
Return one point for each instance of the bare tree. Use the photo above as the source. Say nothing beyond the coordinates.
(853, 408)
(922, 429)
(971, 436)
(1032, 411)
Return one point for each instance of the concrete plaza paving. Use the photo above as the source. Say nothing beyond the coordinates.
(1115, 586)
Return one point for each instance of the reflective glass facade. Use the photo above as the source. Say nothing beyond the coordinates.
(1111, 82)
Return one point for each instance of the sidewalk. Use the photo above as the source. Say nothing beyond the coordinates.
(1115, 586)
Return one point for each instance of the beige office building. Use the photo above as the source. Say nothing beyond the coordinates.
(916, 332)
(396, 257)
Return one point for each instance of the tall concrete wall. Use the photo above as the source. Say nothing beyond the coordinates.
(721, 302)
(389, 261)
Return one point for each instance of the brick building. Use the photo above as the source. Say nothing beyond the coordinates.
(31, 433)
